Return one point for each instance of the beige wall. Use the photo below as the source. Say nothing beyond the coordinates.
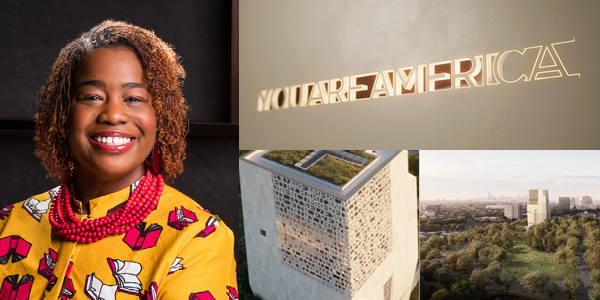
(284, 43)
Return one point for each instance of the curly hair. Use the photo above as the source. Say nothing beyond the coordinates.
(164, 75)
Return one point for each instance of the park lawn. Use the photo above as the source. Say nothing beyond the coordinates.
(520, 254)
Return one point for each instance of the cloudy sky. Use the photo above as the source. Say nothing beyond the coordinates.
(472, 174)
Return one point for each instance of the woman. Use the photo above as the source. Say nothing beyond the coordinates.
(112, 119)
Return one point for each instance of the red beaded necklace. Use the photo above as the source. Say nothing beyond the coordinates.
(143, 200)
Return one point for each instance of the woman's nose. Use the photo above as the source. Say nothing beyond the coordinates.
(113, 112)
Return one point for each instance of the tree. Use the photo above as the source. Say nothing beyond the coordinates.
(433, 254)
(594, 293)
(592, 260)
(444, 276)
(467, 290)
(506, 279)
(440, 295)
(479, 277)
(595, 276)
(484, 262)
(507, 239)
(551, 289)
(534, 281)
(500, 255)
(574, 261)
(573, 243)
(452, 239)
(572, 285)
(450, 261)
(464, 263)
(550, 244)
(493, 271)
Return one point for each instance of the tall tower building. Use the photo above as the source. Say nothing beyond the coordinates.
(309, 238)
(538, 207)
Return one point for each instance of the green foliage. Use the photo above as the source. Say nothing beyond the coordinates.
(594, 293)
(328, 168)
(574, 261)
(595, 276)
(444, 276)
(479, 277)
(433, 254)
(442, 294)
(464, 263)
(507, 279)
(493, 271)
(551, 289)
(535, 281)
(572, 285)
(592, 259)
(287, 157)
(242, 152)
(429, 267)
(465, 289)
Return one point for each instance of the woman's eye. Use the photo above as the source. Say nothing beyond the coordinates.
(134, 99)
(92, 98)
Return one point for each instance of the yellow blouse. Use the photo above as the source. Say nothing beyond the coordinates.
(180, 251)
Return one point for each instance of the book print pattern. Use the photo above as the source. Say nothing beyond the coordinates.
(209, 227)
(232, 293)
(176, 265)
(13, 246)
(15, 289)
(36, 208)
(206, 295)
(180, 218)
(140, 237)
(46, 268)
(152, 293)
(5, 211)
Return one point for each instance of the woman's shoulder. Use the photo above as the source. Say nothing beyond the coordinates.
(35, 205)
(188, 218)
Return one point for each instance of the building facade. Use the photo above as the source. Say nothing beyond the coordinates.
(538, 207)
(573, 202)
(513, 211)
(564, 202)
(436, 208)
(586, 200)
(310, 239)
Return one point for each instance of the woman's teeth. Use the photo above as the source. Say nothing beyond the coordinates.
(112, 141)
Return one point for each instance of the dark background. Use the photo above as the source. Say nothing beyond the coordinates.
(31, 36)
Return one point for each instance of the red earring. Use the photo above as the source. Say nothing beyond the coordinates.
(156, 165)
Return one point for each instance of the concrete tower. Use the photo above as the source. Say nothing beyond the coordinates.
(538, 207)
(308, 238)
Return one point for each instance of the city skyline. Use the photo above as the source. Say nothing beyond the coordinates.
(454, 175)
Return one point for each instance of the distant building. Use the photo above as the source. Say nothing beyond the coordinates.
(307, 238)
(514, 211)
(585, 200)
(538, 207)
(495, 206)
(564, 202)
(437, 209)
(427, 213)
(573, 203)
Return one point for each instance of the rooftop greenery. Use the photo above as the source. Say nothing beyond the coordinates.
(329, 168)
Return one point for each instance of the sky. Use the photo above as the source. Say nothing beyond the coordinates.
(463, 174)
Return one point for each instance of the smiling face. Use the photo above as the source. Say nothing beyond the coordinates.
(112, 124)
